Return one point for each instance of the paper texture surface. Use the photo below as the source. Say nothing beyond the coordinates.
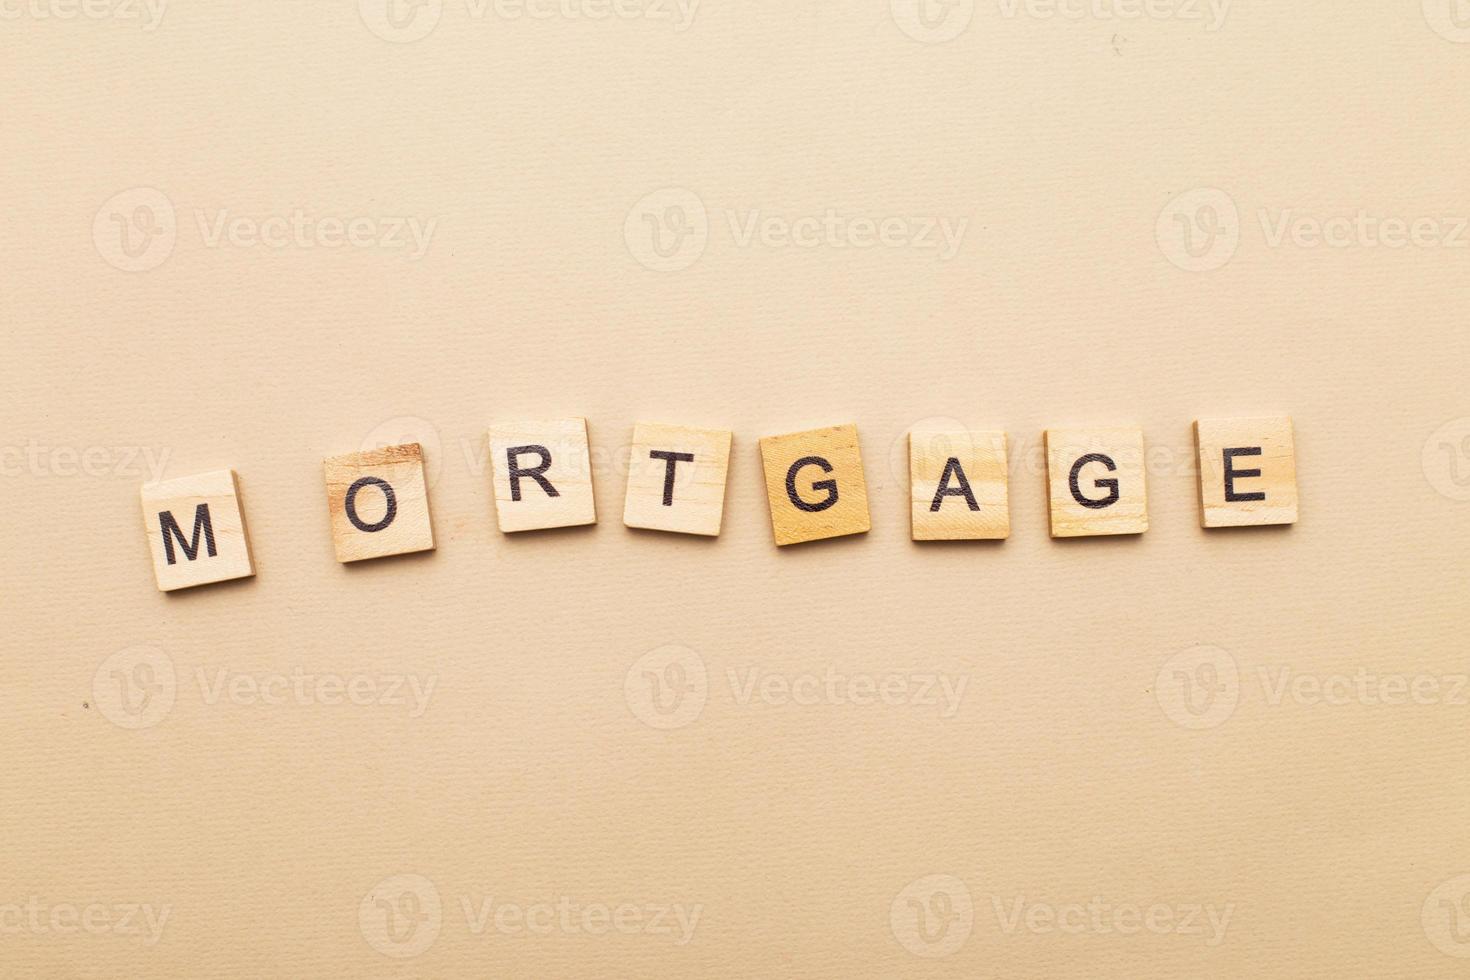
(254, 236)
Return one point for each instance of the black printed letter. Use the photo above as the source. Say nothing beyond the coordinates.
(350, 504)
(1231, 496)
(170, 529)
(945, 490)
(828, 485)
(533, 472)
(1111, 485)
(671, 460)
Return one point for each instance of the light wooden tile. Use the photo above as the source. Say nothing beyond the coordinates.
(196, 530)
(1247, 471)
(958, 485)
(379, 503)
(1096, 482)
(542, 474)
(815, 485)
(676, 479)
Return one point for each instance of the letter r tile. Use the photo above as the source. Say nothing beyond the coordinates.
(1095, 479)
(815, 484)
(379, 503)
(542, 473)
(196, 530)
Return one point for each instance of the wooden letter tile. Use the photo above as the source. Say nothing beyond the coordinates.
(957, 484)
(542, 474)
(1096, 482)
(676, 479)
(196, 530)
(815, 485)
(1247, 472)
(378, 503)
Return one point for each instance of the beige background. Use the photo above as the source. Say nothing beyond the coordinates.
(1334, 833)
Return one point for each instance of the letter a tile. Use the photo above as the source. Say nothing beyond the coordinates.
(815, 485)
(542, 474)
(379, 503)
(196, 530)
(1096, 481)
(957, 484)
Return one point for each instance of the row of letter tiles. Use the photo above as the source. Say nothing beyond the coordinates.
(542, 474)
